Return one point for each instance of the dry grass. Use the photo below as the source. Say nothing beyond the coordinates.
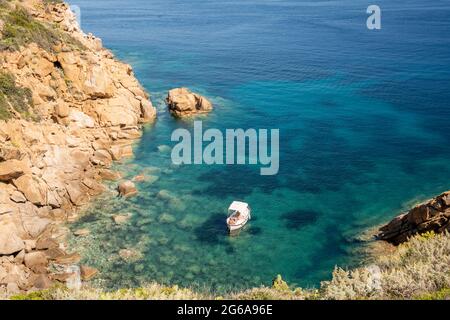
(418, 267)
(20, 29)
(13, 97)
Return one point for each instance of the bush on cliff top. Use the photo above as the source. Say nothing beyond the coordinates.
(417, 268)
(12, 96)
(21, 29)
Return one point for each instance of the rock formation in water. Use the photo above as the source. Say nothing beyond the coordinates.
(68, 108)
(433, 215)
(127, 189)
(184, 103)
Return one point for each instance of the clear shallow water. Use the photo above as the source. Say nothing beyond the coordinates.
(363, 119)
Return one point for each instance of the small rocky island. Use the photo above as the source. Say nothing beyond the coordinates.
(184, 103)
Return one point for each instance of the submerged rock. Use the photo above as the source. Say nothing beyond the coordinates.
(184, 103)
(166, 218)
(139, 178)
(144, 222)
(127, 189)
(164, 195)
(164, 148)
(121, 219)
(139, 268)
(168, 260)
(130, 255)
(82, 232)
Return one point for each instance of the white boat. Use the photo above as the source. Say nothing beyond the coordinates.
(239, 213)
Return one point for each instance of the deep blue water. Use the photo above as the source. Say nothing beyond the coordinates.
(364, 122)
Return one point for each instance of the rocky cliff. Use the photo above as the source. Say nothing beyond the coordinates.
(68, 109)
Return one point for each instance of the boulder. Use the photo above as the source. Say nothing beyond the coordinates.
(46, 243)
(42, 282)
(30, 245)
(119, 112)
(127, 189)
(20, 257)
(184, 103)
(98, 83)
(12, 288)
(36, 261)
(12, 169)
(116, 152)
(18, 197)
(10, 153)
(62, 110)
(6, 209)
(148, 110)
(77, 193)
(109, 175)
(33, 189)
(10, 243)
(81, 119)
(102, 157)
(35, 226)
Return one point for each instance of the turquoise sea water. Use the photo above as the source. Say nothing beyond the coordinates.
(364, 127)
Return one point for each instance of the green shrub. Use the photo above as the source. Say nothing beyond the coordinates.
(417, 268)
(21, 29)
(5, 114)
(279, 284)
(37, 295)
(20, 99)
(443, 294)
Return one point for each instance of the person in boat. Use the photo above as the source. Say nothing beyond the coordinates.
(235, 218)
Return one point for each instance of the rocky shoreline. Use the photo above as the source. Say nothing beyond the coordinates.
(431, 216)
(87, 109)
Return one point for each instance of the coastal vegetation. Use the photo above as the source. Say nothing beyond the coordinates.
(20, 29)
(418, 269)
(13, 97)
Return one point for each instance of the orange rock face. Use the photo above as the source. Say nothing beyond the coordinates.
(433, 215)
